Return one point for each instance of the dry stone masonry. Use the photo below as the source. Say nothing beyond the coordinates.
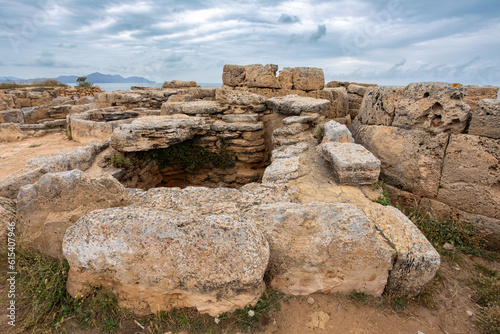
(287, 197)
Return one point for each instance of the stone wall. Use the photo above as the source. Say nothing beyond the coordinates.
(435, 142)
(302, 81)
(355, 93)
(40, 96)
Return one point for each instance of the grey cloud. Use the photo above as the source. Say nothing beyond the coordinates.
(288, 19)
(321, 32)
(67, 46)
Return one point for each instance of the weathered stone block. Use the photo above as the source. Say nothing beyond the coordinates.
(305, 119)
(12, 116)
(416, 261)
(155, 261)
(320, 247)
(233, 75)
(151, 132)
(10, 132)
(285, 78)
(486, 120)
(474, 95)
(488, 227)
(261, 76)
(290, 130)
(433, 107)
(336, 132)
(352, 164)
(289, 151)
(241, 118)
(284, 170)
(192, 108)
(308, 78)
(238, 97)
(296, 105)
(179, 84)
(357, 89)
(339, 101)
(471, 175)
(410, 158)
(379, 105)
(57, 200)
(221, 126)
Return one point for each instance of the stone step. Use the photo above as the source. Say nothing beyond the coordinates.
(352, 164)
(192, 108)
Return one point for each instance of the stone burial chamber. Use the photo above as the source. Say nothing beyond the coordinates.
(194, 202)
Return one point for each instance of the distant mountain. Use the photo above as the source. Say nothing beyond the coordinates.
(94, 77)
(103, 78)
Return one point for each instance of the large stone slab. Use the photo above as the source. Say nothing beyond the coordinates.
(471, 175)
(221, 126)
(409, 158)
(239, 97)
(10, 132)
(260, 76)
(416, 261)
(486, 120)
(284, 169)
(152, 132)
(80, 158)
(154, 261)
(233, 75)
(434, 107)
(320, 247)
(352, 164)
(339, 101)
(57, 200)
(296, 105)
(192, 108)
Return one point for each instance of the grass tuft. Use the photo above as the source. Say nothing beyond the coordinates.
(487, 296)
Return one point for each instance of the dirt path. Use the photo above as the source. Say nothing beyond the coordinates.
(14, 155)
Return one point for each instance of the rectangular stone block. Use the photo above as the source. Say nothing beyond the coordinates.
(352, 164)
(486, 120)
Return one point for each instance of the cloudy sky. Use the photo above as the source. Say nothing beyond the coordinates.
(379, 41)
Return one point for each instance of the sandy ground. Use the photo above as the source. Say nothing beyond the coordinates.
(14, 155)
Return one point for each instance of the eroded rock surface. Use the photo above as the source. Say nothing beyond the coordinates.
(155, 261)
(57, 200)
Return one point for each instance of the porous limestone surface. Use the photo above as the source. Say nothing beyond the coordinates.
(295, 105)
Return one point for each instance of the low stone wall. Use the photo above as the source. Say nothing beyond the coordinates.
(302, 81)
(436, 144)
(40, 96)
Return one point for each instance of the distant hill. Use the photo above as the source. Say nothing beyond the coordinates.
(94, 77)
(103, 78)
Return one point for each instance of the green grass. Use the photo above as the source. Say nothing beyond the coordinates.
(47, 305)
(34, 83)
(357, 296)
(463, 236)
(487, 296)
(193, 157)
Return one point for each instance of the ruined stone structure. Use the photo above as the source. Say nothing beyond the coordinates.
(284, 190)
(436, 143)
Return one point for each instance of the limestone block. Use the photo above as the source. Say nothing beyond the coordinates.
(470, 175)
(339, 101)
(320, 247)
(410, 158)
(238, 97)
(308, 78)
(285, 78)
(261, 76)
(416, 261)
(192, 108)
(233, 75)
(179, 84)
(357, 89)
(336, 132)
(241, 118)
(352, 164)
(9, 101)
(151, 132)
(296, 105)
(221, 126)
(284, 170)
(434, 107)
(34, 114)
(154, 261)
(488, 227)
(80, 158)
(12, 116)
(305, 119)
(290, 130)
(474, 94)
(486, 120)
(289, 151)
(57, 200)
(85, 100)
(379, 105)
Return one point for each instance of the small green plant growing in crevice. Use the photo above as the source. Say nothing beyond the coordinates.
(193, 157)
(118, 161)
(384, 198)
(320, 132)
(487, 296)
(358, 296)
